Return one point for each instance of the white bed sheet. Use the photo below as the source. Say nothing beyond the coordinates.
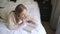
(33, 11)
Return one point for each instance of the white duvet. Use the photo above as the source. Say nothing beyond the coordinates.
(33, 11)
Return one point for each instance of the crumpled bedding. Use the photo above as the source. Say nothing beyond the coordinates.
(33, 12)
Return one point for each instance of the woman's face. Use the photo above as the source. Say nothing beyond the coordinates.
(23, 14)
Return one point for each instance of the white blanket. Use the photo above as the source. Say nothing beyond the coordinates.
(5, 30)
(33, 11)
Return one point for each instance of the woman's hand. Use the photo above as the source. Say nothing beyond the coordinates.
(24, 20)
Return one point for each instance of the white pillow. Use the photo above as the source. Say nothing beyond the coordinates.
(3, 3)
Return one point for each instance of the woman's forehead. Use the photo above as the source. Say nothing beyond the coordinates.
(24, 11)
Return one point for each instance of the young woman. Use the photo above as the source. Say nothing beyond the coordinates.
(18, 17)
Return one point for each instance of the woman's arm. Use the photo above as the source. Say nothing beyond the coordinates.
(31, 21)
(20, 24)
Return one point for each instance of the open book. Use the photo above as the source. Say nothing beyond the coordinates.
(29, 27)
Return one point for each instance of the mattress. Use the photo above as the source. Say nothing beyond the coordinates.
(33, 12)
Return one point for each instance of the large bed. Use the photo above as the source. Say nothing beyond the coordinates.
(33, 12)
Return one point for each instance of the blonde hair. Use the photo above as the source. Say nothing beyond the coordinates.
(19, 8)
